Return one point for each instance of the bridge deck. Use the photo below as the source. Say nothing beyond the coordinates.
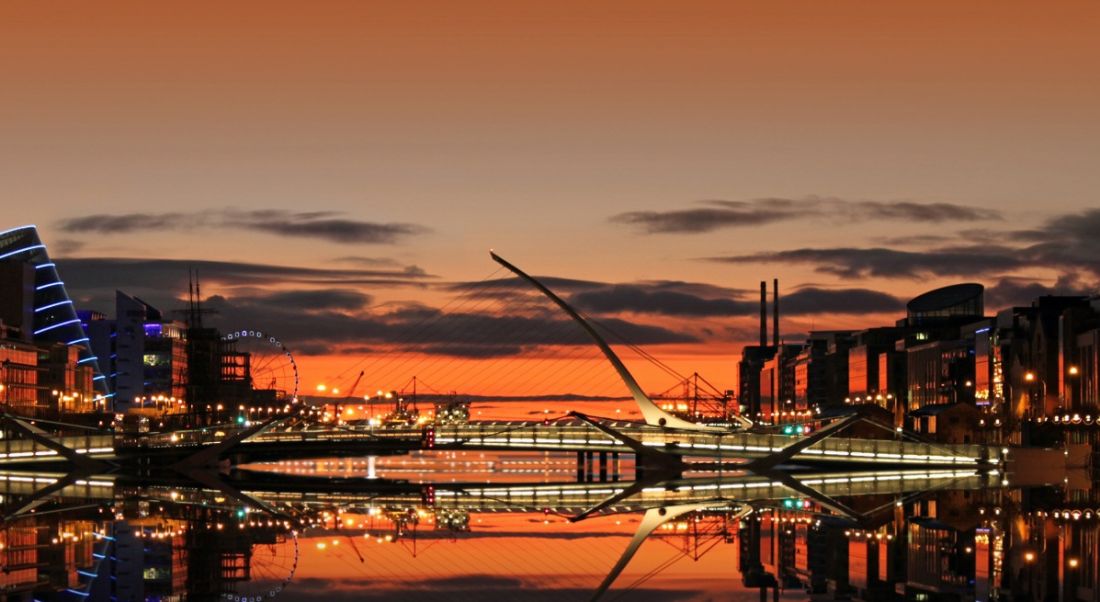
(572, 436)
(22, 450)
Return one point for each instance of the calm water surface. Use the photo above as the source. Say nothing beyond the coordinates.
(501, 526)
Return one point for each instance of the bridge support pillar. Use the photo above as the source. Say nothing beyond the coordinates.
(616, 466)
(603, 467)
(580, 466)
(589, 466)
(371, 471)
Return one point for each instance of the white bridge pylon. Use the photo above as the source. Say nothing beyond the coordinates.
(653, 414)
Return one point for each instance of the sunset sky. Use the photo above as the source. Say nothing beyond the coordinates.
(338, 169)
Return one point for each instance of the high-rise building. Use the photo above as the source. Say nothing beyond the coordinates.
(39, 319)
(142, 354)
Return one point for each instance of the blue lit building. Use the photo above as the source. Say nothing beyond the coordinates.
(143, 355)
(35, 302)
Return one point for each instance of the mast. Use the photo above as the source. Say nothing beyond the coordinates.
(652, 413)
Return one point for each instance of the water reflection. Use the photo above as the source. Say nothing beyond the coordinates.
(507, 528)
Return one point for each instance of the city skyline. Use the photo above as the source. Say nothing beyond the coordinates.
(874, 151)
(515, 299)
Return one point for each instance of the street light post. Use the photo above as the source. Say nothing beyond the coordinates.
(1070, 396)
(1030, 377)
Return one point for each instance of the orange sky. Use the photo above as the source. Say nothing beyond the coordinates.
(527, 126)
(533, 128)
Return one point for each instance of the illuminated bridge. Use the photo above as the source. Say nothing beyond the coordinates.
(565, 436)
(594, 442)
(662, 441)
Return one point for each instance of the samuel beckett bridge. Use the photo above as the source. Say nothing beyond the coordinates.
(662, 442)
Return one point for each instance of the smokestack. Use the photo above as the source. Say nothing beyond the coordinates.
(775, 312)
(763, 313)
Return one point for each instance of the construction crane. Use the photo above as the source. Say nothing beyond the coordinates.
(355, 385)
(350, 395)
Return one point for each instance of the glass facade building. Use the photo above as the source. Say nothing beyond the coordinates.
(49, 316)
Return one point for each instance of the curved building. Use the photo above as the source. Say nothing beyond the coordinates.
(966, 300)
(37, 301)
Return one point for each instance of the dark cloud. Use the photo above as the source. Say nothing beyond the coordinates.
(718, 214)
(590, 295)
(1068, 240)
(812, 300)
(1012, 292)
(486, 351)
(422, 329)
(321, 225)
(642, 299)
(339, 299)
(1066, 244)
(848, 262)
(325, 305)
(66, 246)
(652, 299)
(104, 223)
(934, 213)
(316, 348)
(368, 262)
(337, 230)
(914, 240)
(1009, 292)
(513, 283)
(703, 219)
(169, 277)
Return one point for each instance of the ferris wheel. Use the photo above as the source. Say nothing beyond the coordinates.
(260, 360)
(271, 564)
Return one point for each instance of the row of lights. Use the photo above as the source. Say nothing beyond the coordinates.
(323, 388)
(861, 534)
(869, 398)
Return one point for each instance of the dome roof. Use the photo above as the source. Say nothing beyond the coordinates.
(964, 299)
(946, 297)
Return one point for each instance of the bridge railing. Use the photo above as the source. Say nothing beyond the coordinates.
(838, 447)
(24, 449)
(582, 436)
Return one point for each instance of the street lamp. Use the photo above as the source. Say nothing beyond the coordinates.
(1071, 386)
(1031, 378)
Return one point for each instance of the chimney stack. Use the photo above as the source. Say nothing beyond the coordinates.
(763, 313)
(775, 312)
